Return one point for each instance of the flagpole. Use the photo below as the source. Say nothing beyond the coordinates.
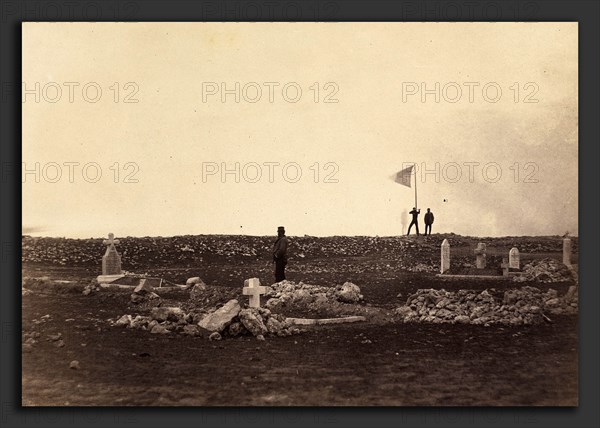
(415, 168)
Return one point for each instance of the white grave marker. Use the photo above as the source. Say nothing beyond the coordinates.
(445, 263)
(254, 290)
(514, 258)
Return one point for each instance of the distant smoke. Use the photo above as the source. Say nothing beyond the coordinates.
(28, 230)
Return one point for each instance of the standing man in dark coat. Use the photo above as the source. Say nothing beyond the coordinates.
(415, 217)
(428, 221)
(280, 254)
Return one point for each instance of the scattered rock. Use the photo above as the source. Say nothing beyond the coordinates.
(139, 298)
(74, 365)
(194, 281)
(139, 322)
(214, 336)
(235, 329)
(222, 317)
(143, 288)
(191, 330)
(274, 326)
(253, 322)
(348, 293)
(144, 294)
(163, 313)
(159, 329)
(260, 337)
(523, 306)
(124, 321)
(545, 270)
(198, 291)
(93, 286)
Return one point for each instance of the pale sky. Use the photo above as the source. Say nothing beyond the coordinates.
(172, 134)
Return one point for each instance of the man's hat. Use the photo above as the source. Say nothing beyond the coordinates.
(281, 228)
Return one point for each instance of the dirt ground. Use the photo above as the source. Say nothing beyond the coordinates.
(363, 364)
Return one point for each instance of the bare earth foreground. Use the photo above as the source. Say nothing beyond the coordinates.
(371, 363)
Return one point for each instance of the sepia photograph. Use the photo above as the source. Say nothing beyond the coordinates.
(300, 214)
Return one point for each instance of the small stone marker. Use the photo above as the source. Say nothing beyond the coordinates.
(480, 253)
(254, 290)
(567, 251)
(445, 263)
(514, 258)
(505, 267)
(111, 261)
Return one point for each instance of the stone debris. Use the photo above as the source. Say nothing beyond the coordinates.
(348, 293)
(315, 297)
(161, 314)
(191, 330)
(222, 317)
(124, 321)
(422, 267)
(230, 320)
(74, 365)
(198, 292)
(192, 282)
(138, 322)
(215, 336)
(159, 329)
(253, 321)
(144, 294)
(546, 270)
(524, 306)
(144, 287)
(92, 287)
(54, 337)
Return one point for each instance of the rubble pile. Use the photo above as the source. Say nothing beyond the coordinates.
(545, 270)
(524, 306)
(315, 298)
(231, 320)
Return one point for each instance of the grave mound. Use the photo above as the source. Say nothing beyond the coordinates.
(230, 320)
(546, 270)
(524, 306)
(307, 299)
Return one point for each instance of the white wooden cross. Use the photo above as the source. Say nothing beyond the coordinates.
(254, 290)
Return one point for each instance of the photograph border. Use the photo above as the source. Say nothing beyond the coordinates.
(13, 13)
